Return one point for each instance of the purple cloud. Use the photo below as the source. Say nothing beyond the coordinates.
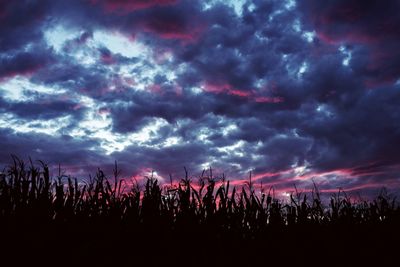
(290, 90)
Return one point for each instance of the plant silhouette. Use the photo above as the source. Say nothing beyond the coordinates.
(102, 221)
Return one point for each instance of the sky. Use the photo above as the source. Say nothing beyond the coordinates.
(294, 92)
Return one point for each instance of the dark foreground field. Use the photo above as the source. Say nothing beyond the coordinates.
(56, 221)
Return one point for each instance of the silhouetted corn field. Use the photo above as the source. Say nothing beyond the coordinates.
(196, 222)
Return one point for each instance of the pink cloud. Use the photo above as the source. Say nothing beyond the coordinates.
(225, 88)
(240, 93)
(178, 90)
(78, 107)
(283, 182)
(162, 55)
(126, 6)
(263, 175)
(27, 72)
(107, 59)
(335, 38)
(155, 88)
(177, 35)
(265, 99)
(129, 81)
(172, 30)
(352, 178)
(216, 88)
(375, 185)
(140, 176)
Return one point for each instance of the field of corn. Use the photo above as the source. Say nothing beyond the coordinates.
(57, 220)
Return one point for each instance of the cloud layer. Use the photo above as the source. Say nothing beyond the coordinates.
(293, 91)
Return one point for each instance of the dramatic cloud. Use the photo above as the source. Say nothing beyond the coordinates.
(294, 91)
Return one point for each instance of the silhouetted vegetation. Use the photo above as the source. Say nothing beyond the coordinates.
(102, 221)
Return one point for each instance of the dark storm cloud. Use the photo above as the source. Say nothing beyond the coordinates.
(24, 62)
(355, 20)
(168, 20)
(143, 106)
(362, 132)
(40, 109)
(20, 22)
(72, 154)
(129, 6)
(252, 130)
(369, 27)
(284, 151)
(271, 88)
